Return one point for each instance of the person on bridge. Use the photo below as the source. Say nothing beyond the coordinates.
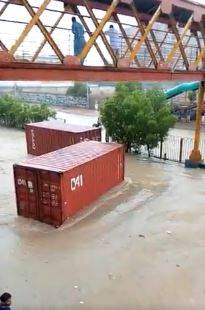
(5, 301)
(79, 40)
(114, 39)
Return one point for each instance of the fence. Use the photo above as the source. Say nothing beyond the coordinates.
(176, 149)
(50, 99)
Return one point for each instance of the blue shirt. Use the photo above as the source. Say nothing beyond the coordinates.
(77, 30)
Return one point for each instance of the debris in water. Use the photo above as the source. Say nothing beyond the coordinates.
(81, 302)
(169, 232)
(177, 265)
(75, 286)
(110, 276)
(141, 236)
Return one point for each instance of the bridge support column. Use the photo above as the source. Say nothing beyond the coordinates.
(195, 158)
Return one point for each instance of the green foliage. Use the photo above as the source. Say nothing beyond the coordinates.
(124, 89)
(14, 113)
(192, 96)
(78, 90)
(137, 117)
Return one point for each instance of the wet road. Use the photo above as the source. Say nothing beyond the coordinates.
(141, 246)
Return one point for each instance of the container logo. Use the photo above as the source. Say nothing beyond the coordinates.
(30, 184)
(21, 182)
(33, 139)
(76, 182)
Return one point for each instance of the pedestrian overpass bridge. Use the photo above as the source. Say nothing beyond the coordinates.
(159, 40)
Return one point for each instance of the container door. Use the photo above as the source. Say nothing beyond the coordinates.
(26, 192)
(98, 133)
(50, 208)
(70, 139)
(77, 138)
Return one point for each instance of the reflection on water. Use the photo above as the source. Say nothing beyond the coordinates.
(183, 133)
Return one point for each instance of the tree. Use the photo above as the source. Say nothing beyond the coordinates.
(192, 96)
(127, 88)
(15, 113)
(78, 90)
(137, 117)
(163, 118)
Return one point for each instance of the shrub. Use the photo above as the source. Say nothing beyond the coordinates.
(137, 117)
(15, 113)
(78, 90)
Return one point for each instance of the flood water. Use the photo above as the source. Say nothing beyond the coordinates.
(140, 246)
(89, 117)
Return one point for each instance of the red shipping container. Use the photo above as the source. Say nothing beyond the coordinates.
(52, 187)
(48, 136)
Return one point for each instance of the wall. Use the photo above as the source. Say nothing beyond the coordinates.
(50, 99)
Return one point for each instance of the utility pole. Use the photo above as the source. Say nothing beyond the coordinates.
(195, 157)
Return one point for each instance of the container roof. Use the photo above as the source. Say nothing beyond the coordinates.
(61, 126)
(70, 157)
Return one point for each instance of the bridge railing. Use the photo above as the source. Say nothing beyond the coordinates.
(177, 46)
(27, 50)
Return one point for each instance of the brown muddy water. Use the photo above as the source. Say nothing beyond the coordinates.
(140, 246)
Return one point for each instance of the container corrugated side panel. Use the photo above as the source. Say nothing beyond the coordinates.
(95, 134)
(85, 183)
(42, 140)
(55, 140)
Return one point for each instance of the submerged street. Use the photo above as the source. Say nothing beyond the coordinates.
(140, 246)
(135, 68)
